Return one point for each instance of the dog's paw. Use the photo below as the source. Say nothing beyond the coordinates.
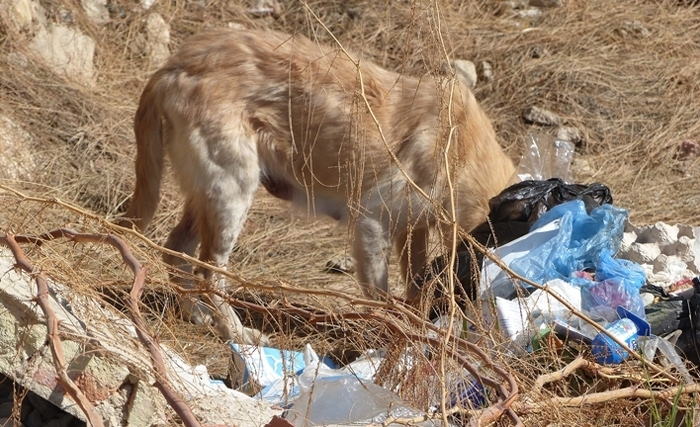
(197, 312)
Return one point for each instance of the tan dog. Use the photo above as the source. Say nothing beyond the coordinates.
(347, 139)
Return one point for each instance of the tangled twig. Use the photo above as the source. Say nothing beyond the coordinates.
(604, 396)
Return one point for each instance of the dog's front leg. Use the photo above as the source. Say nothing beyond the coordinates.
(371, 248)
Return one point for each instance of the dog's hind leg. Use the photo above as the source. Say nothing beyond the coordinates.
(222, 209)
(184, 238)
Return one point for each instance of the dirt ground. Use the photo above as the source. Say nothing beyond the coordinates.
(626, 74)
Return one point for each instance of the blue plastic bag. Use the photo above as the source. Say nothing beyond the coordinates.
(617, 284)
(583, 242)
(578, 244)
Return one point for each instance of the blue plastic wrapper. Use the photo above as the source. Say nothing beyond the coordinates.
(587, 241)
(578, 244)
(618, 282)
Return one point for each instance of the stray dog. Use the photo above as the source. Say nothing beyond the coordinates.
(389, 154)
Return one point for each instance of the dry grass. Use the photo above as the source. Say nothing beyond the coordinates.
(625, 73)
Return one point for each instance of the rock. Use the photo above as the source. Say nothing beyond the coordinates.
(582, 168)
(340, 265)
(643, 253)
(688, 149)
(66, 16)
(514, 4)
(633, 29)
(147, 4)
(569, 133)
(96, 10)
(16, 145)
(683, 249)
(529, 12)
(261, 8)
(667, 253)
(68, 51)
(24, 13)
(158, 36)
(541, 116)
(545, 3)
(487, 71)
(465, 71)
(104, 357)
(628, 239)
(670, 266)
(660, 233)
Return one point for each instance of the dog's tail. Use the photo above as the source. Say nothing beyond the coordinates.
(148, 129)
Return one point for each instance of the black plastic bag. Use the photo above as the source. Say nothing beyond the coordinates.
(528, 200)
(688, 344)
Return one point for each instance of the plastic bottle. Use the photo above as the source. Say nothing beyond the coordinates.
(607, 351)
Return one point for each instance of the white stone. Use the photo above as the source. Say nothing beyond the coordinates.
(569, 133)
(643, 253)
(530, 12)
(628, 238)
(465, 71)
(96, 10)
(582, 167)
(107, 351)
(262, 8)
(487, 70)
(147, 4)
(68, 51)
(683, 249)
(21, 12)
(660, 233)
(668, 270)
(24, 13)
(158, 35)
(685, 230)
(545, 3)
(16, 146)
(669, 263)
(541, 116)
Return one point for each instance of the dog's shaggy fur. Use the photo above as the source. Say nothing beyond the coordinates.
(343, 137)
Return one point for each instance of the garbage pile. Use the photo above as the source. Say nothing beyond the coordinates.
(563, 262)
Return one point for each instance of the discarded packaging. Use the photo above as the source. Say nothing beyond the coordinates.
(336, 396)
(607, 351)
(546, 157)
(272, 370)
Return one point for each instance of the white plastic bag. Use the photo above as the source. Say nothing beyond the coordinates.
(336, 396)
